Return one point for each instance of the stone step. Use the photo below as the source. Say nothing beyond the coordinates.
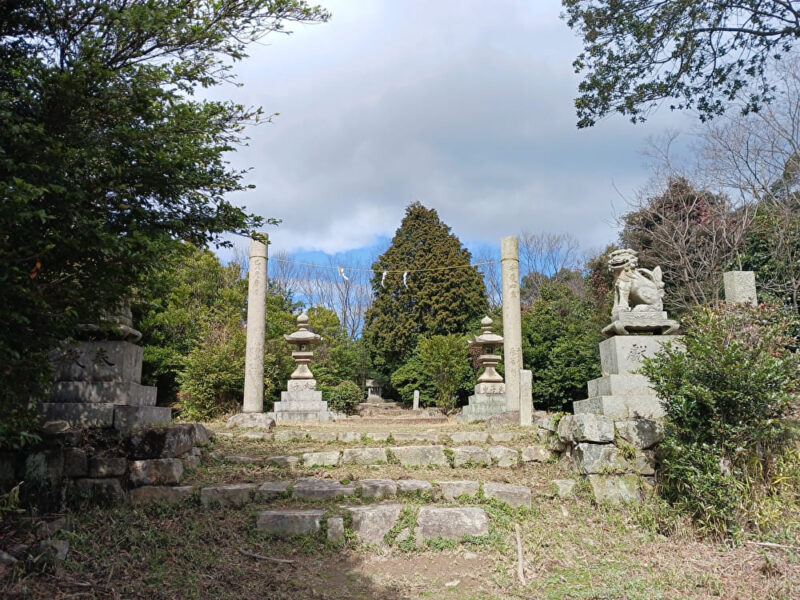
(311, 489)
(408, 456)
(375, 524)
(401, 437)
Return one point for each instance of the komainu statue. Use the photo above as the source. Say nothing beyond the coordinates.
(638, 297)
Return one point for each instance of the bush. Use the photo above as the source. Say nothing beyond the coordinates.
(345, 397)
(726, 456)
(445, 363)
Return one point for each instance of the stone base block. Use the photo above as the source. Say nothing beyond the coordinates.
(113, 392)
(623, 354)
(483, 406)
(130, 418)
(490, 389)
(252, 421)
(621, 407)
(629, 384)
(98, 361)
(288, 409)
(289, 522)
(452, 523)
(79, 414)
(645, 321)
(301, 397)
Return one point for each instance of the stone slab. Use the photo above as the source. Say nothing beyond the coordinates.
(536, 453)
(490, 389)
(322, 436)
(471, 455)
(287, 435)
(234, 494)
(452, 523)
(284, 461)
(162, 442)
(377, 488)
(454, 489)
(420, 456)
(107, 466)
(372, 523)
(621, 407)
(349, 436)
(364, 456)
(586, 427)
(504, 457)
(317, 489)
(300, 401)
(160, 493)
(597, 458)
(272, 489)
(98, 361)
(641, 433)
(335, 529)
(113, 392)
(410, 486)
(502, 437)
(321, 459)
(377, 436)
(740, 287)
(106, 490)
(130, 418)
(156, 471)
(616, 489)
(641, 322)
(623, 354)
(564, 488)
(513, 495)
(628, 384)
(416, 436)
(251, 420)
(286, 523)
(79, 414)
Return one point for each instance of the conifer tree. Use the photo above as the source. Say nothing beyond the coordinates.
(441, 295)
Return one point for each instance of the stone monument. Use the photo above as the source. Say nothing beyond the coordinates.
(490, 392)
(373, 392)
(638, 309)
(302, 401)
(740, 287)
(97, 380)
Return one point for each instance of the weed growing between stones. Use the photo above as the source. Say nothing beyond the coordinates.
(406, 521)
(450, 456)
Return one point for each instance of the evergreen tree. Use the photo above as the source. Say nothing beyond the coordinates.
(441, 294)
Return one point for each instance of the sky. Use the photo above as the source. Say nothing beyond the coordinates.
(464, 106)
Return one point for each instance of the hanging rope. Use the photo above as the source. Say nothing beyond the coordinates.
(341, 269)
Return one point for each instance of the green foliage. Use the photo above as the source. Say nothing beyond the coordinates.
(445, 364)
(345, 397)
(433, 302)
(192, 318)
(339, 358)
(107, 156)
(560, 337)
(726, 399)
(694, 53)
(411, 376)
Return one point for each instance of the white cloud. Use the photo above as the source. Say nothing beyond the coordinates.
(464, 106)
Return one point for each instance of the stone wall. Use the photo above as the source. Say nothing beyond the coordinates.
(100, 464)
(616, 456)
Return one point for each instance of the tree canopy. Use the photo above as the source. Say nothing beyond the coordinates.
(107, 157)
(698, 54)
(441, 295)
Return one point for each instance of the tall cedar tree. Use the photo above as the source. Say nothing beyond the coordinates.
(432, 302)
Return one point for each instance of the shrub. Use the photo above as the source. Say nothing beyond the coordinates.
(445, 363)
(345, 397)
(727, 395)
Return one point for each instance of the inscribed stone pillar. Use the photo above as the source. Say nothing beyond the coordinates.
(256, 324)
(416, 399)
(740, 287)
(512, 319)
(526, 398)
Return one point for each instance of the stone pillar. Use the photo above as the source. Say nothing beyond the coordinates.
(526, 398)
(256, 325)
(740, 287)
(512, 319)
(416, 400)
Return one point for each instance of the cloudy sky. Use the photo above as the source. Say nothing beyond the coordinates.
(465, 106)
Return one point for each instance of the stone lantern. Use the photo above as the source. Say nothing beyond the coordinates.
(302, 401)
(487, 342)
(303, 340)
(490, 392)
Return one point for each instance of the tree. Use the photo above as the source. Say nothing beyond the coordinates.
(107, 156)
(440, 295)
(560, 337)
(693, 234)
(698, 54)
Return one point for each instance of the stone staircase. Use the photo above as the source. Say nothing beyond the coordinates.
(392, 412)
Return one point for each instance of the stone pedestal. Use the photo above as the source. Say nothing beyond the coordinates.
(740, 287)
(620, 393)
(489, 399)
(98, 384)
(301, 402)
